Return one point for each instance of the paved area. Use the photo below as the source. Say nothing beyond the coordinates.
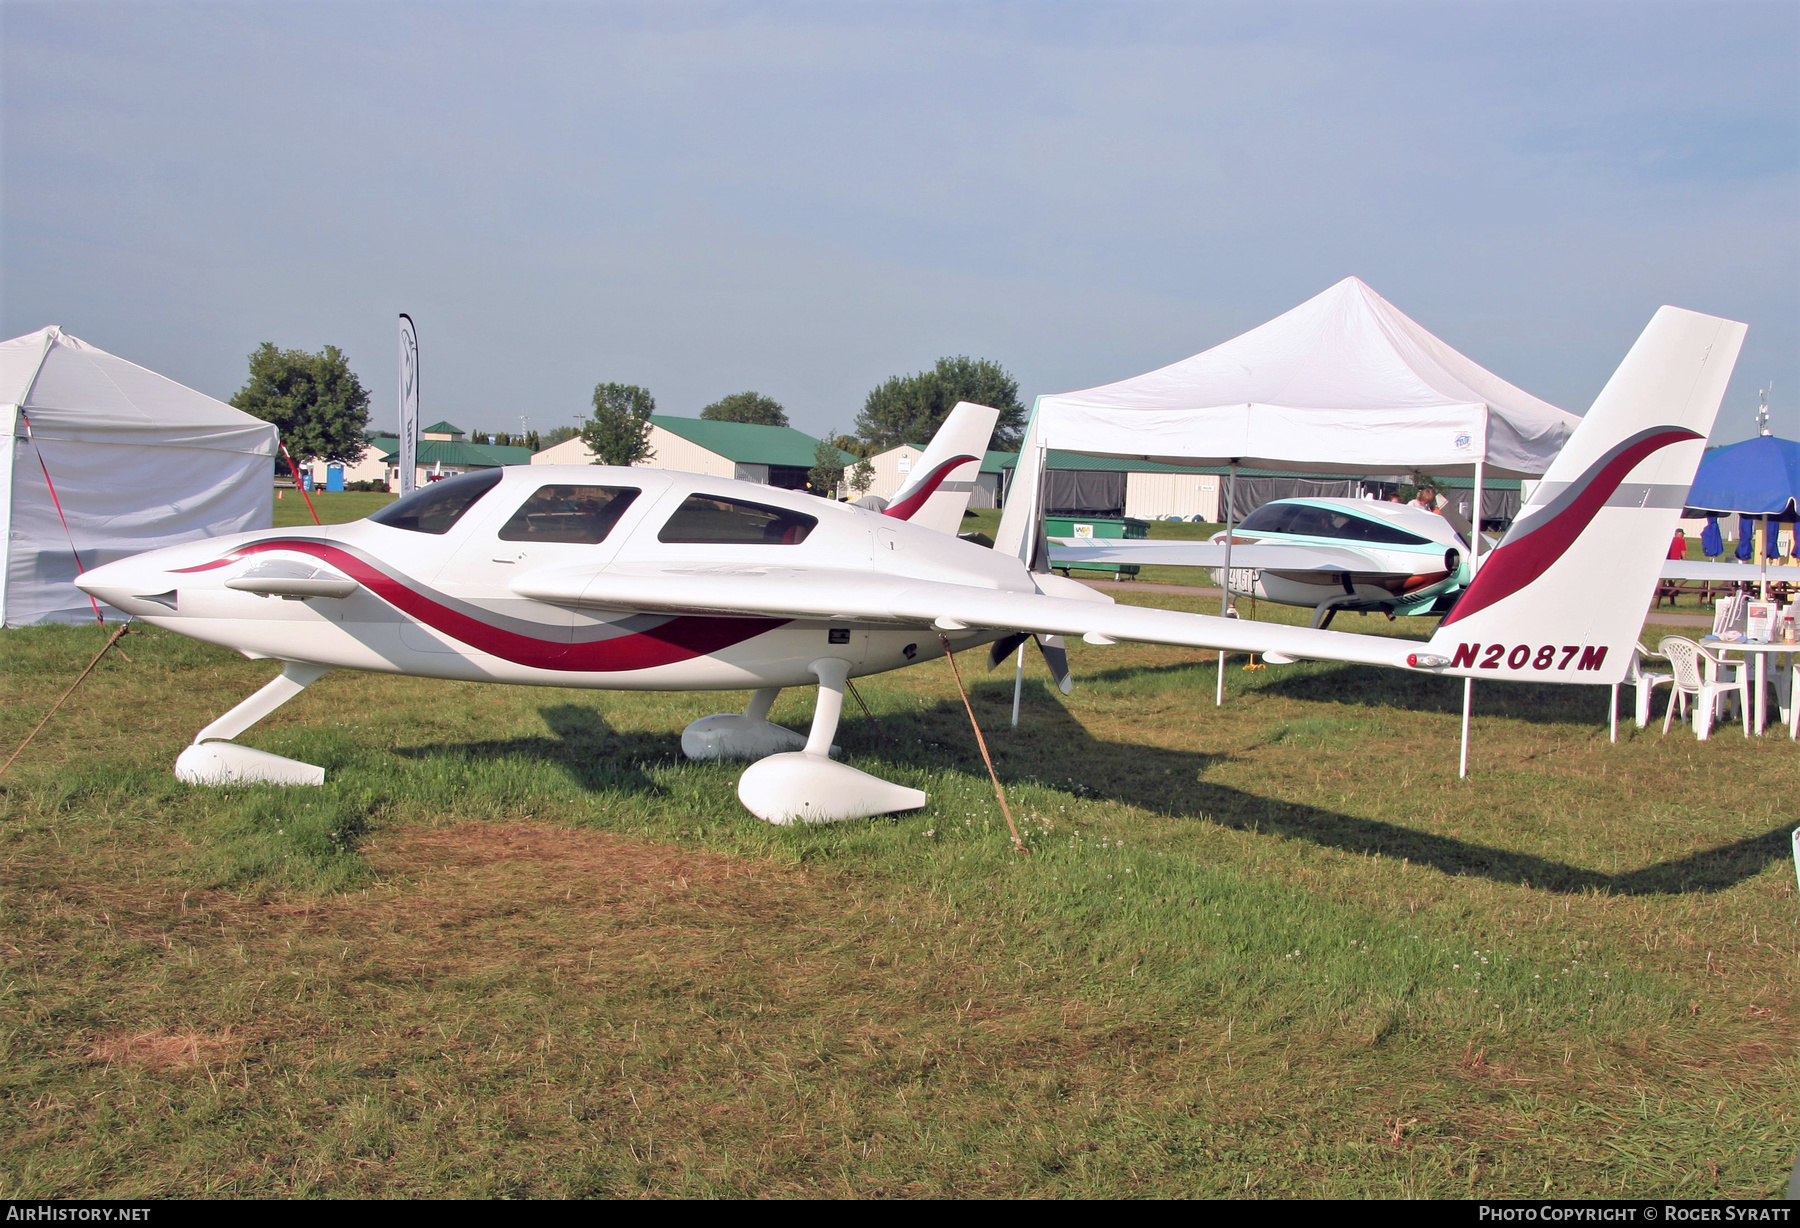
(1668, 616)
(1676, 618)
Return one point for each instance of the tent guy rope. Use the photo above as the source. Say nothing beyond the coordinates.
(57, 503)
(299, 485)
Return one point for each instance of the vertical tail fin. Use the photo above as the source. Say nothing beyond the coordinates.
(1563, 597)
(937, 492)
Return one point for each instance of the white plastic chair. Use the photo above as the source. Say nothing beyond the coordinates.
(1708, 679)
(1645, 682)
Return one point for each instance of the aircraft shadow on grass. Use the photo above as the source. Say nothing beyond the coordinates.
(1369, 687)
(1172, 783)
(1058, 751)
(597, 757)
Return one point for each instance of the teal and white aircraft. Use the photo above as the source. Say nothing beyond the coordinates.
(1326, 554)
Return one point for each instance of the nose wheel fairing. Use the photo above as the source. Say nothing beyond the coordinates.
(214, 759)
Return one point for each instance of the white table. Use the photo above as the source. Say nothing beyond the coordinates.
(1761, 652)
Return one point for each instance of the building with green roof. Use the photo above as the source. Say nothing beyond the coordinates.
(444, 451)
(769, 455)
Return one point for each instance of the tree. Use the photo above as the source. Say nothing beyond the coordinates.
(314, 400)
(862, 477)
(618, 433)
(560, 434)
(910, 408)
(827, 472)
(746, 407)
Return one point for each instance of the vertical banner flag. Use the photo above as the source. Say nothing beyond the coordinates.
(409, 404)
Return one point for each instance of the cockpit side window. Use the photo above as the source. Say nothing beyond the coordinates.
(1307, 521)
(436, 507)
(705, 519)
(581, 515)
(1269, 518)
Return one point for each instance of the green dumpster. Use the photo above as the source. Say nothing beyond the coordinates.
(1078, 527)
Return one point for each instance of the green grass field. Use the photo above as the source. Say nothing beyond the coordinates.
(517, 946)
(290, 508)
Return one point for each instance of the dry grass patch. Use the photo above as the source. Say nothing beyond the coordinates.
(163, 1051)
(460, 894)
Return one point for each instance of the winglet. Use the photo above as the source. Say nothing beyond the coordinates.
(937, 492)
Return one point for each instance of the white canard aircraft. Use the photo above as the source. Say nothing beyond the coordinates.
(645, 579)
(1324, 554)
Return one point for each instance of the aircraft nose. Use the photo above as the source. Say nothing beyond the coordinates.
(138, 585)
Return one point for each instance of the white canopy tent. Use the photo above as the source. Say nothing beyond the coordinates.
(1343, 383)
(135, 460)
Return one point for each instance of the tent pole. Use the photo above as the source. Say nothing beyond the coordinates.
(1475, 520)
(1612, 714)
(1018, 684)
(1462, 768)
(1035, 527)
(1225, 588)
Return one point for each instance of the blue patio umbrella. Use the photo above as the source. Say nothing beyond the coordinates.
(1758, 479)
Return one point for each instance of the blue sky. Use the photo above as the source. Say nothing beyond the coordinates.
(806, 199)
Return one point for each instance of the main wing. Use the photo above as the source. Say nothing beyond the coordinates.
(1071, 552)
(872, 598)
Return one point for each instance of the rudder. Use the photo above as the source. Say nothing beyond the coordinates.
(1564, 595)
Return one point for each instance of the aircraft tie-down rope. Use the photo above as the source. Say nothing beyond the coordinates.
(20, 749)
(1018, 841)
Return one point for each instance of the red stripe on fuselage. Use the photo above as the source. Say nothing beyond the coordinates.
(928, 485)
(679, 639)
